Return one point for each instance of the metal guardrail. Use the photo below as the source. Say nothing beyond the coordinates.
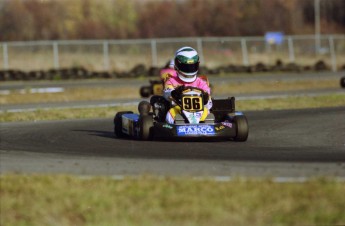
(107, 55)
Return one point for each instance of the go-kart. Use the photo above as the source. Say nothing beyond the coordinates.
(221, 122)
(156, 86)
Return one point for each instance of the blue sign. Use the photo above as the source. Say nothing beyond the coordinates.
(276, 38)
(195, 130)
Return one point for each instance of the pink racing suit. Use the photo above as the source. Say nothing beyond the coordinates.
(173, 82)
(165, 73)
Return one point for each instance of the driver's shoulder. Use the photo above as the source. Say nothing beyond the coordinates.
(167, 73)
(172, 81)
(203, 79)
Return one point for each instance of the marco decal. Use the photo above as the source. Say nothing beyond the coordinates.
(195, 130)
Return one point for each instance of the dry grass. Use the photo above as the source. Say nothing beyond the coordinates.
(66, 200)
(98, 93)
(272, 86)
(334, 100)
(69, 95)
(60, 114)
(109, 112)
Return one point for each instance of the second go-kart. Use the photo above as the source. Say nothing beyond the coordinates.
(222, 121)
(155, 88)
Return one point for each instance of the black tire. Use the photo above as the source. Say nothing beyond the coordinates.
(118, 123)
(342, 82)
(242, 128)
(145, 126)
(145, 91)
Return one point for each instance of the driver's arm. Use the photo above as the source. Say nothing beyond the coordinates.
(167, 93)
(168, 88)
(207, 89)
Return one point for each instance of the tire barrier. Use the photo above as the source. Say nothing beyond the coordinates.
(141, 71)
(342, 82)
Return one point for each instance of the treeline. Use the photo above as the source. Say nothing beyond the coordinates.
(123, 19)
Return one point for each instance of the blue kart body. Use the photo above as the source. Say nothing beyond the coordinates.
(225, 129)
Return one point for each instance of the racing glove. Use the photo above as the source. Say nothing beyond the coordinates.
(206, 96)
(176, 93)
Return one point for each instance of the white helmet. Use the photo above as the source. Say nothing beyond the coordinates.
(172, 64)
(187, 63)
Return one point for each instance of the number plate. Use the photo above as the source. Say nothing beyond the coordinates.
(192, 103)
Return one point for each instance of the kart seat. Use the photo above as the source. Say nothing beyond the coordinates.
(179, 120)
(221, 107)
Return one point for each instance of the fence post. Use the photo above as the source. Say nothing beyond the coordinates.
(5, 54)
(291, 50)
(244, 52)
(154, 52)
(332, 52)
(56, 55)
(106, 55)
(200, 50)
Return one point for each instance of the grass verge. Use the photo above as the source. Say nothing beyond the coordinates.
(129, 92)
(273, 86)
(333, 100)
(66, 200)
(72, 94)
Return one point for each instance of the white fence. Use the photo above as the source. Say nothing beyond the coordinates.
(107, 55)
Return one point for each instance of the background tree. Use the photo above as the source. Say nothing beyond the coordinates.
(122, 19)
(16, 21)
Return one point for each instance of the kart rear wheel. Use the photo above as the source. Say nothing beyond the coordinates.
(145, 126)
(242, 128)
(144, 107)
(342, 82)
(145, 91)
(118, 123)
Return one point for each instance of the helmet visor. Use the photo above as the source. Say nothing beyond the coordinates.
(187, 68)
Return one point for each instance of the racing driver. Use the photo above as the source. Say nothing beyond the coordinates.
(186, 63)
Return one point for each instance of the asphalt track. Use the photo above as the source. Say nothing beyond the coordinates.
(284, 144)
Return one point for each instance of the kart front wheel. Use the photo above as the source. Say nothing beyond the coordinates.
(118, 123)
(145, 91)
(145, 127)
(242, 128)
